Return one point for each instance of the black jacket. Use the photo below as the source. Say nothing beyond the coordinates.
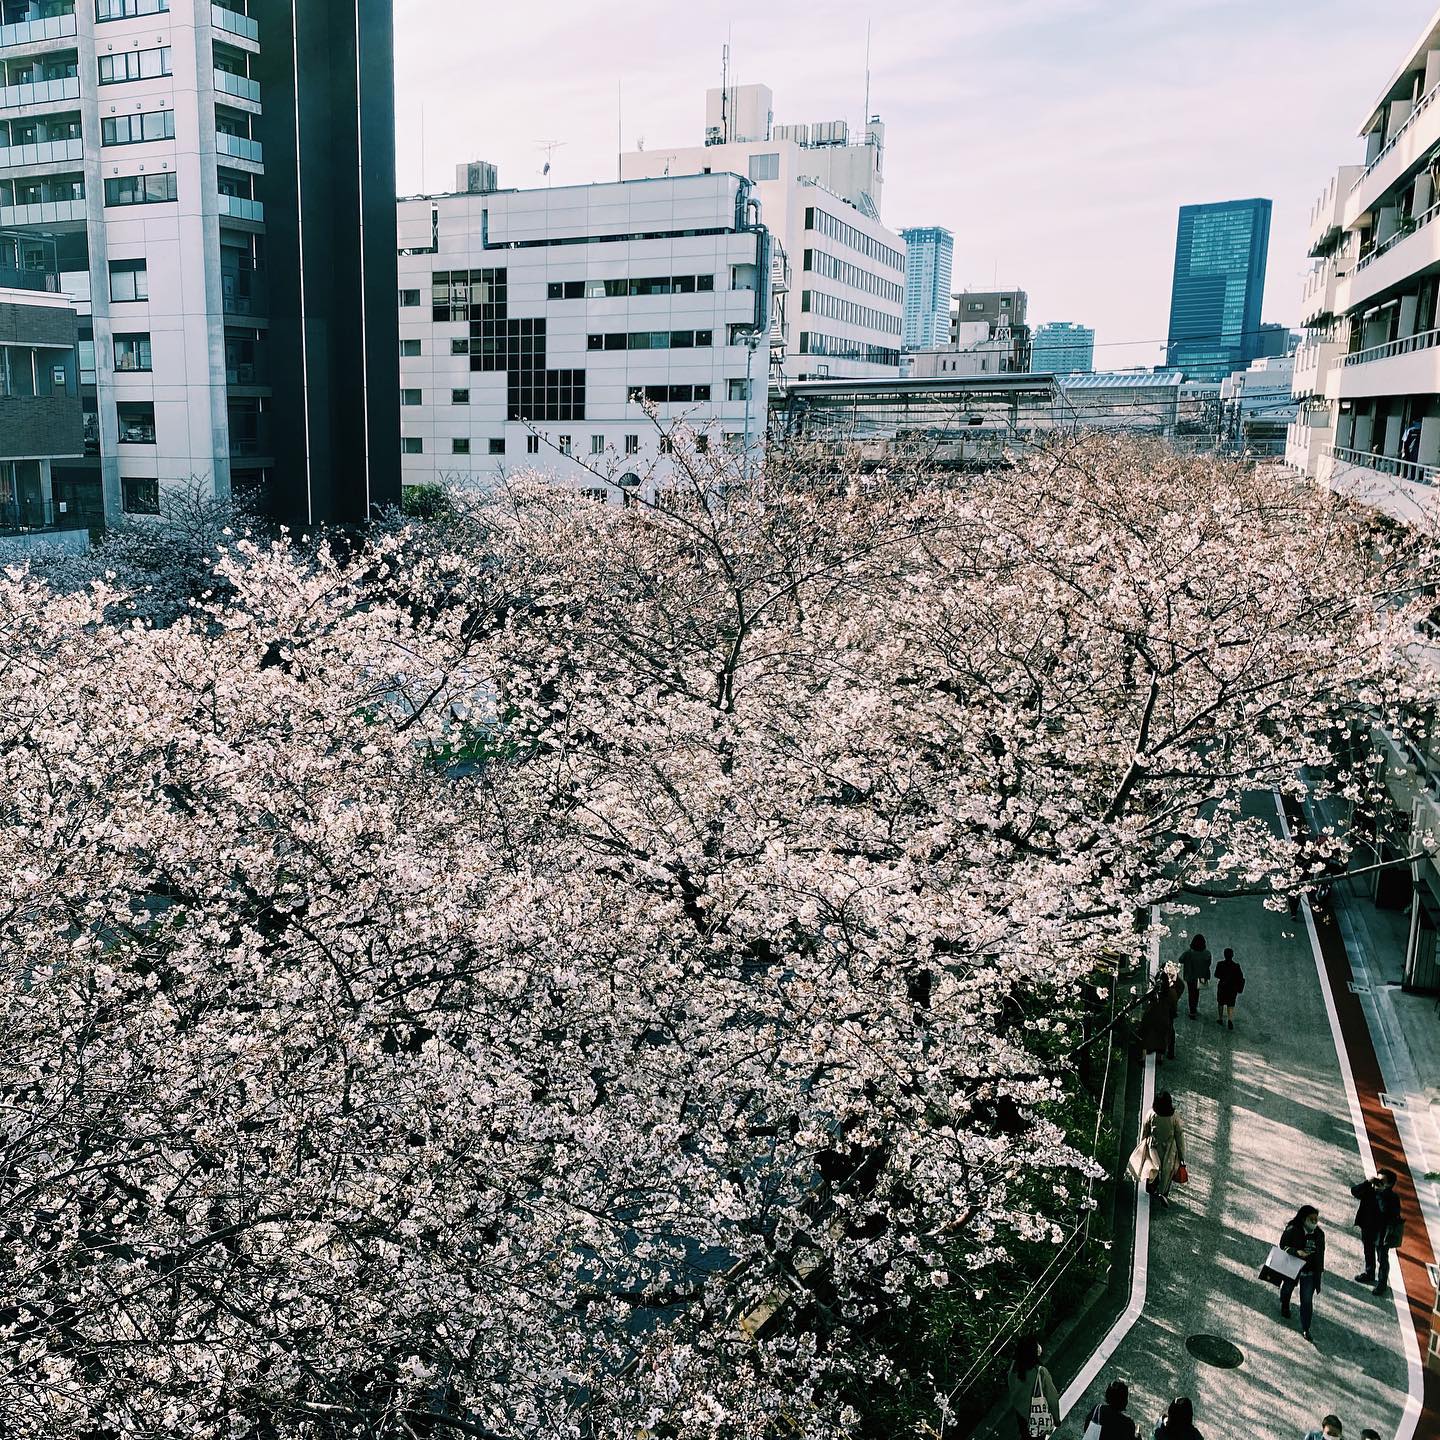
(1114, 1424)
(1379, 1209)
(1296, 1240)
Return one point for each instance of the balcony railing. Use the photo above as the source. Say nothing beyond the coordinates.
(1410, 470)
(239, 148)
(1390, 242)
(40, 92)
(27, 32)
(41, 152)
(1424, 340)
(46, 212)
(1421, 105)
(243, 292)
(13, 279)
(242, 87)
(240, 207)
(234, 24)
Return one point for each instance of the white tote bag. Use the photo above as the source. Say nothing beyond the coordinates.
(1092, 1430)
(1282, 1262)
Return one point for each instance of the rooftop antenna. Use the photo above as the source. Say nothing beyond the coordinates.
(725, 93)
(865, 118)
(619, 129)
(549, 147)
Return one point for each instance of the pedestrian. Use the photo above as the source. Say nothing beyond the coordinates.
(1330, 1429)
(1368, 1434)
(1195, 966)
(1229, 982)
(1163, 1157)
(1410, 443)
(1108, 1421)
(1153, 1031)
(1178, 1422)
(1304, 1239)
(1033, 1399)
(1381, 1227)
(1175, 988)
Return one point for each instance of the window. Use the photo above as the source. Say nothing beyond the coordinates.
(597, 444)
(141, 189)
(765, 167)
(132, 352)
(738, 389)
(409, 347)
(460, 445)
(139, 496)
(128, 280)
(702, 444)
(122, 9)
(459, 397)
(667, 445)
(459, 347)
(409, 298)
(620, 289)
(497, 444)
(137, 422)
(670, 394)
(652, 340)
(134, 65)
(532, 444)
(824, 223)
(632, 444)
(566, 445)
(132, 129)
(412, 445)
(409, 397)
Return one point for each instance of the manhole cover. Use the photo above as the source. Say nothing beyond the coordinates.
(1215, 1351)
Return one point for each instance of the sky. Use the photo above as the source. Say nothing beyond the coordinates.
(1055, 138)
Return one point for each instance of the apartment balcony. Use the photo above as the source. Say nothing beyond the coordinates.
(47, 212)
(1327, 215)
(42, 152)
(1306, 439)
(1411, 249)
(39, 92)
(237, 147)
(243, 293)
(241, 27)
(1402, 153)
(241, 207)
(33, 33)
(1401, 489)
(1313, 362)
(1399, 367)
(240, 88)
(1322, 285)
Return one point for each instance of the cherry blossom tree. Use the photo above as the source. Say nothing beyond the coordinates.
(574, 970)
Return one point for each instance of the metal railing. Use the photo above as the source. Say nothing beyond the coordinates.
(1391, 241)
(1421, 105)
(1411, 470)
(1425, 340)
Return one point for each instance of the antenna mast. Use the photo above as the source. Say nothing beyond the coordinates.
(865, 118)
(725, 94)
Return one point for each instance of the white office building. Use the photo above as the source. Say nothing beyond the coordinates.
(582, 330)
(821, 197)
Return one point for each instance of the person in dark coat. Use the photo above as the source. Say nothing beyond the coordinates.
(1229, 982)
(1114, 1423)
(1195, 966)
(1304, 1238)
(1178, 1422)
(1378, 1219)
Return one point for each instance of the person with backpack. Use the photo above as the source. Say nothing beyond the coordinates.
(1381, 1227)
(1031, 1394)
(1178, 1422)
(1108, 1420)
(1195, 967)
(1229, 982)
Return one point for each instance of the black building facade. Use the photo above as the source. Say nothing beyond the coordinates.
(326, 70)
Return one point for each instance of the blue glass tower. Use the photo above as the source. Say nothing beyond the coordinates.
(929, 262)
(1219, 285)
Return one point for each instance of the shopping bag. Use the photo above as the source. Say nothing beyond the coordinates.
(1093, 1430)
(1281, 1266)
(1182, 1175)
(1135, 1166)
(1042, 1423)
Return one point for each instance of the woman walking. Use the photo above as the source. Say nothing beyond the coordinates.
(1229, 982)
(1164, 1154)
(1178, 1422)
(1195, 966)
(1029, 1385)
(1110, 1416)
(1304, 1239)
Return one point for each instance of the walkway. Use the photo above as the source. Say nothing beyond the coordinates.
(1269, 1127)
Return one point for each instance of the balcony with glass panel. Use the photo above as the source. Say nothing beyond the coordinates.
(34, 24)
(46, 200)
(39, 79)
(234, 21)
(239, 147)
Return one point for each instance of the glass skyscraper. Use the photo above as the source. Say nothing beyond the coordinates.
(1061, 348)
(1220, 254)
(929, 262)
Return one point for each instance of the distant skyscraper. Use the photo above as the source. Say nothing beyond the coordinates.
(1063, 348)
(929, 260)
(1219, 285)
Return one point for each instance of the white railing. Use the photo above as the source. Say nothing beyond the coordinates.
(47, 212)
(1411, 470)
(1425, 340)
(36, 92)
(240, 207)
(233, 23)
(1408, 228)
(237, 147)
(1421, 105)
(241, 86)
(27, 32)
(42, 152)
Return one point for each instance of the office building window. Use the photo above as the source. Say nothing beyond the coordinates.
(124, 9)
(409, 397)
(667, 445)
(702, 444)
(409, 298)
(458, 347)
(621, 289)
(765, 167)
(132, 129)
(141, 189)
(652, 340)
(738, 389)
(597, 444)
(824, 223)
(128, 280)
(670, 394)
(137, 422)
(132, 352)
(460, 445)
(566, 445)
(139, 496)
(632, 444)
(532, 444)
(409, 347)
(459, 397)
(412, 445)
(134, 65)
(497, 444)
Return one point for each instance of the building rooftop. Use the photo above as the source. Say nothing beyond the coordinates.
(1120, 380)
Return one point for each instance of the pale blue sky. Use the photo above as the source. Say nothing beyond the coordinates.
(1056, 138)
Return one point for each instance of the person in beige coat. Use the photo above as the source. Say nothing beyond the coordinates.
(1163, 1139)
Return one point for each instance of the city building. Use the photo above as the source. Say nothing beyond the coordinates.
(929, 262)
(1135, 402)
(41, 425)
(1062, 348)
(572, 330)
(218, 182)
(997, 310)
(820, 196)
(1218, 287)
(1257, 406)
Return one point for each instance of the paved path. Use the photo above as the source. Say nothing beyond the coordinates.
(1268, 1123)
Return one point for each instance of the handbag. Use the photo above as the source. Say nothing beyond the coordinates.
(1135, 1165)
(1395, 1234)
(1182, 1175)
(1281, 1267)
(1042, 1423)
(1094, 1430)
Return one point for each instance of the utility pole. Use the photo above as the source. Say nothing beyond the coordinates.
(752, 344)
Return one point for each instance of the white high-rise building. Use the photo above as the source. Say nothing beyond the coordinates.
(573, 330)
(820, 196)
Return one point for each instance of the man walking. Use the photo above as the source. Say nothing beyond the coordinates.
(1381, 1227)
(1195, 966)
